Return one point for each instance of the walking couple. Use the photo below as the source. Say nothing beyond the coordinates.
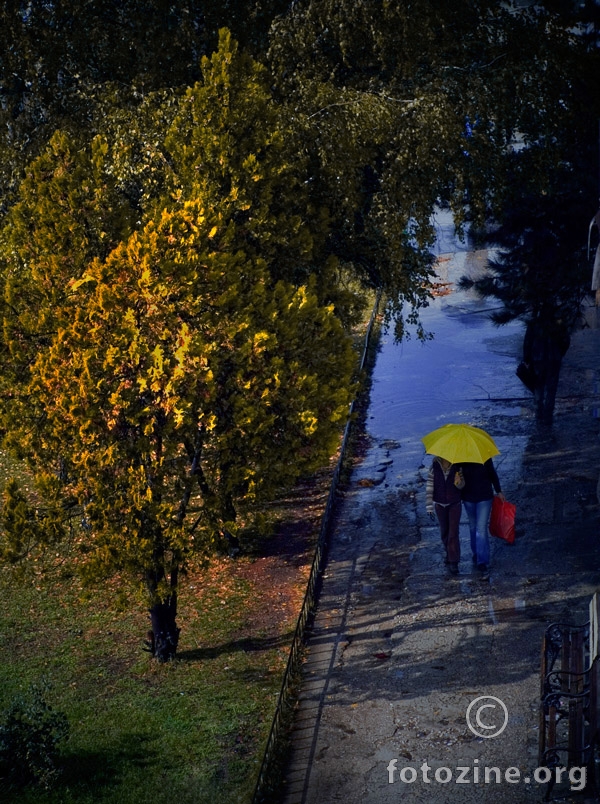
(448, 487)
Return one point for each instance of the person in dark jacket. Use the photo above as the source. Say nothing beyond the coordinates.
(481, 482)
(443, 496)
(545, 344)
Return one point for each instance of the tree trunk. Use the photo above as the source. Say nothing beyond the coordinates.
(165, 633)
(164, 636)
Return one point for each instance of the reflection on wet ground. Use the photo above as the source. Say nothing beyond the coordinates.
(400, 647)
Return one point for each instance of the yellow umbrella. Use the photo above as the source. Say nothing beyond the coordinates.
(460, 443)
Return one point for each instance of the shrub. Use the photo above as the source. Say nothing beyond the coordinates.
(30, 733)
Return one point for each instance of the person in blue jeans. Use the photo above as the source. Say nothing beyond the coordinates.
(481, 483)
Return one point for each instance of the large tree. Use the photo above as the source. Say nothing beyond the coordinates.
(406, 106)
(160, 375)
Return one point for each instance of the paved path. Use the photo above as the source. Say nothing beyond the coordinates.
(400, 648)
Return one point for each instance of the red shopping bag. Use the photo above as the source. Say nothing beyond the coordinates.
(502, 520)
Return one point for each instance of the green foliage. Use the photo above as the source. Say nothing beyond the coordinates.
(31, 732)
(68, 212)
(163, 375)
(70, 65)
(409, 105)
(230, 144)
(384, 109)
(183, 369)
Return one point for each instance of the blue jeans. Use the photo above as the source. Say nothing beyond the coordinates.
(479, 517)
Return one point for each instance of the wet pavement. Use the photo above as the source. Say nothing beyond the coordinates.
(400, 648)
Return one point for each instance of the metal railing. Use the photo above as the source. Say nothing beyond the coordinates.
(266, 785)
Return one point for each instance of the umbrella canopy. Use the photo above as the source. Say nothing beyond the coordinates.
(460, 443)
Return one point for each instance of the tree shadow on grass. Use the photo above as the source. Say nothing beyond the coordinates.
(85, 775)
(97, 770)
(247, 645)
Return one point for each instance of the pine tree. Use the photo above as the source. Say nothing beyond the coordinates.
(160, 376)
(539, 268)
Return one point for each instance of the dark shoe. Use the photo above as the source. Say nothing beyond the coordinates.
(453, 568)
(474, 558)
(484, 573)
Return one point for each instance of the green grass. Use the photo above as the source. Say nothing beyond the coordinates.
(188, 731)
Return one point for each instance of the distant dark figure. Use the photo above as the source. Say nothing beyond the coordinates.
(544, 346)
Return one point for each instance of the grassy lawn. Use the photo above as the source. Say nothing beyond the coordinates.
(189, 731)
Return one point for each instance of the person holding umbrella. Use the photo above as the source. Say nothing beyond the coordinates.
(444, 482)
(473, 449)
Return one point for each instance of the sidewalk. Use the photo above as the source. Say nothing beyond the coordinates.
(400, 648)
